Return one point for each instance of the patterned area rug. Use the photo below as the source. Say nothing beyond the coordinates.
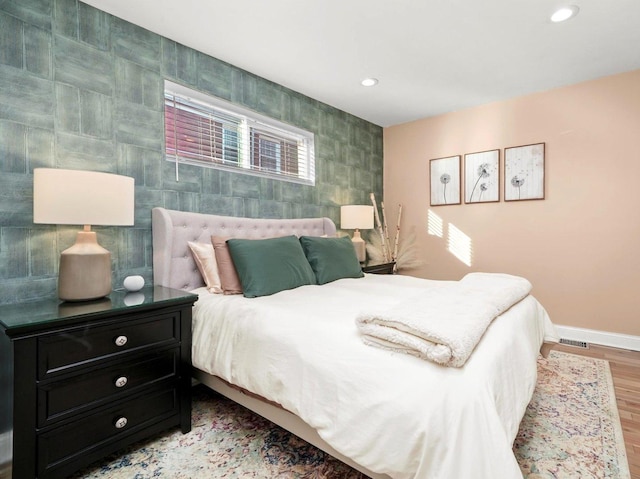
(571, 429)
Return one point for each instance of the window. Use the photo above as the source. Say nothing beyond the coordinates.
(207, 131)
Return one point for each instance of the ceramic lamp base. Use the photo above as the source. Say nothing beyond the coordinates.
(85, 270)
(359, 245)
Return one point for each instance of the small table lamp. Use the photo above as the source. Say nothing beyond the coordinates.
(75, 197)
(357, 217)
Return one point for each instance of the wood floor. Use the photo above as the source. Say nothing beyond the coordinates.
(625, 369)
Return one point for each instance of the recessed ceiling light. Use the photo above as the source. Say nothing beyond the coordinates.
(565, 13)
(369, 82)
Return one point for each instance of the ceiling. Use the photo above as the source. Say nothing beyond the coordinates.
(430, 56)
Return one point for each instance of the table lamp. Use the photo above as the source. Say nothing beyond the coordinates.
(357, 217)
(76, 197)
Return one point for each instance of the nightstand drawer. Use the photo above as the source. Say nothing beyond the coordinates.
(66, 443)
(61, 398)
(59, 352)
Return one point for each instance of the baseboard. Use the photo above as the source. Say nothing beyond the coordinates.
(603, 338)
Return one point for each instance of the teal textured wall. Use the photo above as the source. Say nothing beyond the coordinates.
(82, 89)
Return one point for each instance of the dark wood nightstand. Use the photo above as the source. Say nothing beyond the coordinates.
(79, 381)
(378, 268)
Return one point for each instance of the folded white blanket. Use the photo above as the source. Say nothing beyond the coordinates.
(444, 324)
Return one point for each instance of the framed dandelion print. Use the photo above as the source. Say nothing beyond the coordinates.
(482, 177)
(444, 174)
(524, 172)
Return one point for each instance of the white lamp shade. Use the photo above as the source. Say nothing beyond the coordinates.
(78, 197)
(356, 217)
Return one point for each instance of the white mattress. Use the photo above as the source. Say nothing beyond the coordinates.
(390, 412)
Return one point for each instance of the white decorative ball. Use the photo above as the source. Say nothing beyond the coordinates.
(133, 283)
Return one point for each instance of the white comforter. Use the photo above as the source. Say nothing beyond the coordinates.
(393, 413)
(436, 325)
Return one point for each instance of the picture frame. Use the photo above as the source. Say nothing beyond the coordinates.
(482, 177)
(444, 179)
(524, 172)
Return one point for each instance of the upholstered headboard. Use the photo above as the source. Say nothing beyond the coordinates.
(173, 264)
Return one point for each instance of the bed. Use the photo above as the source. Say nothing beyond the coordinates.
(297, 358)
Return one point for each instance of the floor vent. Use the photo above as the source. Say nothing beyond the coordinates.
(577, 344)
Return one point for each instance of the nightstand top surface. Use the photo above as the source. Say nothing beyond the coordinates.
(20, 318)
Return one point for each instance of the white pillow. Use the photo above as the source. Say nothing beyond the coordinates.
(205, 259)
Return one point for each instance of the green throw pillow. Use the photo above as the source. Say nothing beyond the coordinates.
(270, 265)
(331, 258)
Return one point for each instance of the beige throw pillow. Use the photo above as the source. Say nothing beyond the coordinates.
(205, 258)
(229, 279)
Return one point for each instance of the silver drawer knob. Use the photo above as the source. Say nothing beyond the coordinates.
(121, 382)
(121, 340)
(121, 422)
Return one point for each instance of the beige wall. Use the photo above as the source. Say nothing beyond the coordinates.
(579, 246)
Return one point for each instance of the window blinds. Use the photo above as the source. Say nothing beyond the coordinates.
(214, 133)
